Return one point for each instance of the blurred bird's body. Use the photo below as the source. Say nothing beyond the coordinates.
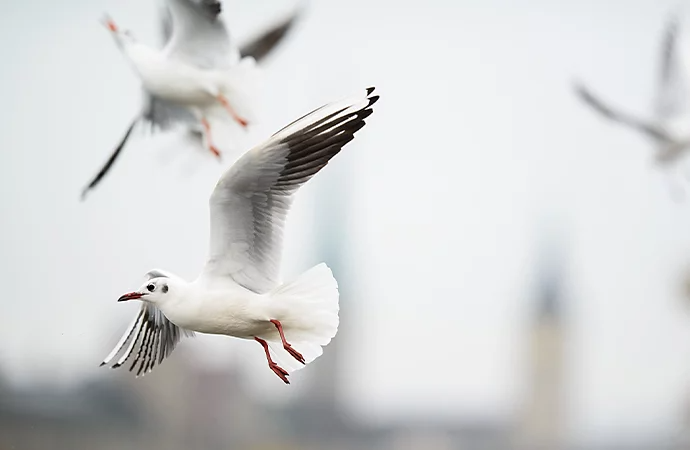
(669, 126)
(178, 82)
(200, 77)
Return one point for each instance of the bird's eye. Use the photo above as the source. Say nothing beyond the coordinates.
(151, 287)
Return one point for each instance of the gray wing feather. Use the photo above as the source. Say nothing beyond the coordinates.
(158, 114)
(162, 114)
(165, 25)
(111, 160)
(151, 334)
(671, 82)
(668, 49)
(645, 127)
(153, 337)
(263, 44)
(199, 35)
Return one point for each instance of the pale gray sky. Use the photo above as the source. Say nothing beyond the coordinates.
(476, 138)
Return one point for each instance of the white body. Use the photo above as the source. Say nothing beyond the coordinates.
(232, 311)
(173, 80)
(190, 86)
(224, 307)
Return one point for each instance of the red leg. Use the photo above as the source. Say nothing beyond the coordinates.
(295, 354)
(224, 101)
(282, 373)
(207, 130)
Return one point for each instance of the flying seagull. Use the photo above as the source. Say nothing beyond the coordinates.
(198, 69)
(239, 292)
(669, 128)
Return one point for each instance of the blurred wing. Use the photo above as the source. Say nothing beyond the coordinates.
(199, 36)
(163, 114)
(262, 45)
(673, 82)
(164, 24)
(151, 337)
(650, 129)
(158, 114)
(251, 200)
(109, 163)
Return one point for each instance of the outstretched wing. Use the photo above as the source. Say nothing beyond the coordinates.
(199, 36)
(151, 337)
(157, 114)
(268, 40)
(162, 114)
(650, 129)
(251, 201)
(673, 81)
(109, 163)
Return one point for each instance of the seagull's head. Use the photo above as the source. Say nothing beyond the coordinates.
(122, 37)
(156, 291)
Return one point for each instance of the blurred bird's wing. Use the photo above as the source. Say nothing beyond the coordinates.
(650, 129)
(260, 46)
(197, 34)
(673, 89)
(165, 25)
(157, 114)
(250, 203)
(109, 163)
(162, 114)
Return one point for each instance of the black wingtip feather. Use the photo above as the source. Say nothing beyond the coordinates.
(109, 163)
(373, 100)
(363, 115)
(370, 90)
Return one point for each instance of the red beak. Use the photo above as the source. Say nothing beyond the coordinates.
(130, 296)
(108, 22)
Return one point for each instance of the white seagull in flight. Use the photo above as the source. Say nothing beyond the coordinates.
(669, 128)
(239, 292)
(199, 73)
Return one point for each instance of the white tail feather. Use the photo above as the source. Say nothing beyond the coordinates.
(310, 320)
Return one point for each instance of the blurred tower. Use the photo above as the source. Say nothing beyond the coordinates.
(683, 438)
(541, 422)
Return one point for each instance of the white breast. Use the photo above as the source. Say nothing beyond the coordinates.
(234, 312)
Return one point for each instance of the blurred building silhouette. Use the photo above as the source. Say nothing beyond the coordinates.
(541, 423)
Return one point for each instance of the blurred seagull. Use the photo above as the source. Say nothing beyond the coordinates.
(669, 129)
(239, 292)
(198, 70)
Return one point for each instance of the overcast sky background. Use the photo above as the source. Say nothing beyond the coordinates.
(477, 142)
